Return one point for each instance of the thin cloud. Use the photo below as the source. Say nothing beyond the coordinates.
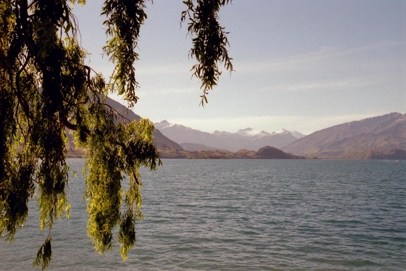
(164, 69)
(329, 57)
(330, 69)
(165, 91)
(325, 85)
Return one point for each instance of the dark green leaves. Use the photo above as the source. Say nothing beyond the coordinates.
(44, 254)
(209, 42)
(122, 151)
(124, 20)
(46, 89)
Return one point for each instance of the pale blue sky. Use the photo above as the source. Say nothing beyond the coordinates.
(299, 65)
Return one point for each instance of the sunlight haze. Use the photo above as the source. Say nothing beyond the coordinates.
(299, 65)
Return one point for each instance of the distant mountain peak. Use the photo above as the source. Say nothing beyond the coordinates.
(282, 131)
(165, 122)
(248, 132)
(247, 138)
(297, 134)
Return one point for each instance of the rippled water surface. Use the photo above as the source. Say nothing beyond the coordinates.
(243, 215)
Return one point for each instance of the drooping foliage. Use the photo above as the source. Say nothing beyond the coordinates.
(209, 42)
(47, 90)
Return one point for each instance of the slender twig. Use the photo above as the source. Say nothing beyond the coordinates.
(115, 110)
(74, 127)
(21, 100)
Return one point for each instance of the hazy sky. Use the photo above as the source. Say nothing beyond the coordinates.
(299, 65)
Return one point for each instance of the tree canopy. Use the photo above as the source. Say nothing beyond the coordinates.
(47, 89)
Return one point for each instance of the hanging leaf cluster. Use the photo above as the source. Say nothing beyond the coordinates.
(209, 42)
(47, 91)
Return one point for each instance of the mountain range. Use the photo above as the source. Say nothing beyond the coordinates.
(381, 137)
(192, 140)
(170, 149)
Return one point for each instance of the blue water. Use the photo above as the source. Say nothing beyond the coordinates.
(243, 215)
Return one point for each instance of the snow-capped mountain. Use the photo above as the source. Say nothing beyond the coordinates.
(248, 138)
(297, 134)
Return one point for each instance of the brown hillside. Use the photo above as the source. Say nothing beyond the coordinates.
(377, 133)
(390, 154)
(273, 153)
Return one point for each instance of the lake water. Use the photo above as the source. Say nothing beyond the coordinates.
(243, 215)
